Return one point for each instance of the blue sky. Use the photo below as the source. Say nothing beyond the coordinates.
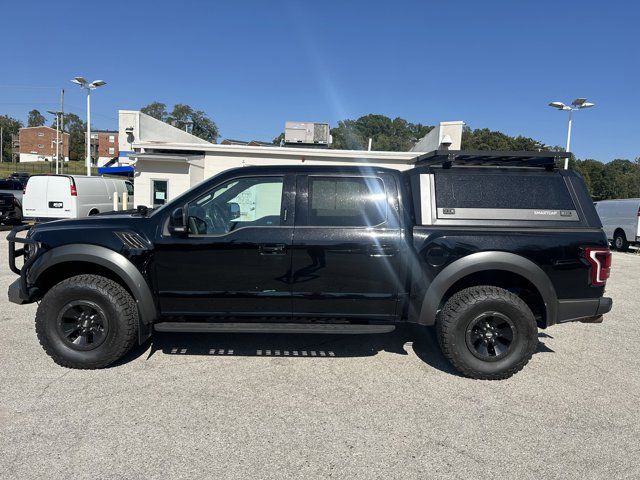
(252, 65)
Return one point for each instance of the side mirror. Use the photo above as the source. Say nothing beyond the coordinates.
(142, 210)
(177, 224)
(234, 210)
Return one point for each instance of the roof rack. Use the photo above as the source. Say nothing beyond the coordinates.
(491, 158)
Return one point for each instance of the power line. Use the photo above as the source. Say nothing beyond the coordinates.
(27, 86)
(28, 103)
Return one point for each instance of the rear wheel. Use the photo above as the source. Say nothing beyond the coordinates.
(87, 321)
(487, 332)
(620, 241)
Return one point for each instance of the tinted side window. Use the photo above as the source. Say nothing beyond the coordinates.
(502, 195)
(244, 202)
(347, 201)
(485, 190)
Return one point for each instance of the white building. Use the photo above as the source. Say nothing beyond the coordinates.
(169, 161)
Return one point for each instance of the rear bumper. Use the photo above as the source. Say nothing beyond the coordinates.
(583, 309)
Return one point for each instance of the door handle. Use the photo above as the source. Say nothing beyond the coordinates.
(382, 251)
(275, 249)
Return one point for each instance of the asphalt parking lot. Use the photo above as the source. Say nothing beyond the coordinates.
(281, 406)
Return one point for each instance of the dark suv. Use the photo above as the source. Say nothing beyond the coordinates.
(488, 247)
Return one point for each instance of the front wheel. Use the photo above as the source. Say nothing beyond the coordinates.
(87, 322)
(487, 332)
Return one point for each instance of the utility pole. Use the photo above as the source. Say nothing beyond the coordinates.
(1, 144)
(14, 154)
(57, 114)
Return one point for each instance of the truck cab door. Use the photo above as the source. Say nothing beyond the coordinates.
(347, 248)
(235, 258)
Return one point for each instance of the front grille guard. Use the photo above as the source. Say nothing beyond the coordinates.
(14, 252)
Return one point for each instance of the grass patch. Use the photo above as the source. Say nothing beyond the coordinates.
(32, 168)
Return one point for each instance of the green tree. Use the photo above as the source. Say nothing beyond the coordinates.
(624, 176)
(76, 128)
(201, 125)
(10, 126)
(616, 179)
(392, 135)
(35, 119)
(485, 139)
(278, 140)
(156, 110)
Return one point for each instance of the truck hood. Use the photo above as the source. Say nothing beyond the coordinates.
(102, 230)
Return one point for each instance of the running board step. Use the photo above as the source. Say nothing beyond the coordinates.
(271, 328)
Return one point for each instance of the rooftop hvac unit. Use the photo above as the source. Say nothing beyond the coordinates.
(307, 133)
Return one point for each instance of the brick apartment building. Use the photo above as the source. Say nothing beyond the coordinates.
(104, 146)
(38, 144)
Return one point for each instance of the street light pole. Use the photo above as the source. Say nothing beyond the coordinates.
(577, 104)
(62, 128)
(83, 83)
(568, 149)
(57, 143)
(88, 160)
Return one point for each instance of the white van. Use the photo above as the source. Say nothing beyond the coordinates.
(72, 196)
(620, 221)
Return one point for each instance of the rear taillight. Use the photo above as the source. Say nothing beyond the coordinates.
(74, 192)
(600, 261)
(638, 212)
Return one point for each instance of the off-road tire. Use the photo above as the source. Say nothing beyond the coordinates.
(120, 310)
(458, 314)
(620, 242)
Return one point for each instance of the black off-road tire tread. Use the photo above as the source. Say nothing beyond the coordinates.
(448, 317)
(117, 294)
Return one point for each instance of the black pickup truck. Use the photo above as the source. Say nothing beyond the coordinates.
(485, 247)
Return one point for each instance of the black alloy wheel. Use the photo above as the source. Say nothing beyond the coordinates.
(82, 325)
(490, 336)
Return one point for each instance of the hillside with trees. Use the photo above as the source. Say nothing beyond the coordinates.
(619, 178)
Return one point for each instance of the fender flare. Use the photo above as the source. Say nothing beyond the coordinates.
(106, 258)
(481, 261)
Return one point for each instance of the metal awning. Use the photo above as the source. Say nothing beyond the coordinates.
(165, 157)
(126, 170)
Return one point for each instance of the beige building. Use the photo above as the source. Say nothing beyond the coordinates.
(168, 161)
